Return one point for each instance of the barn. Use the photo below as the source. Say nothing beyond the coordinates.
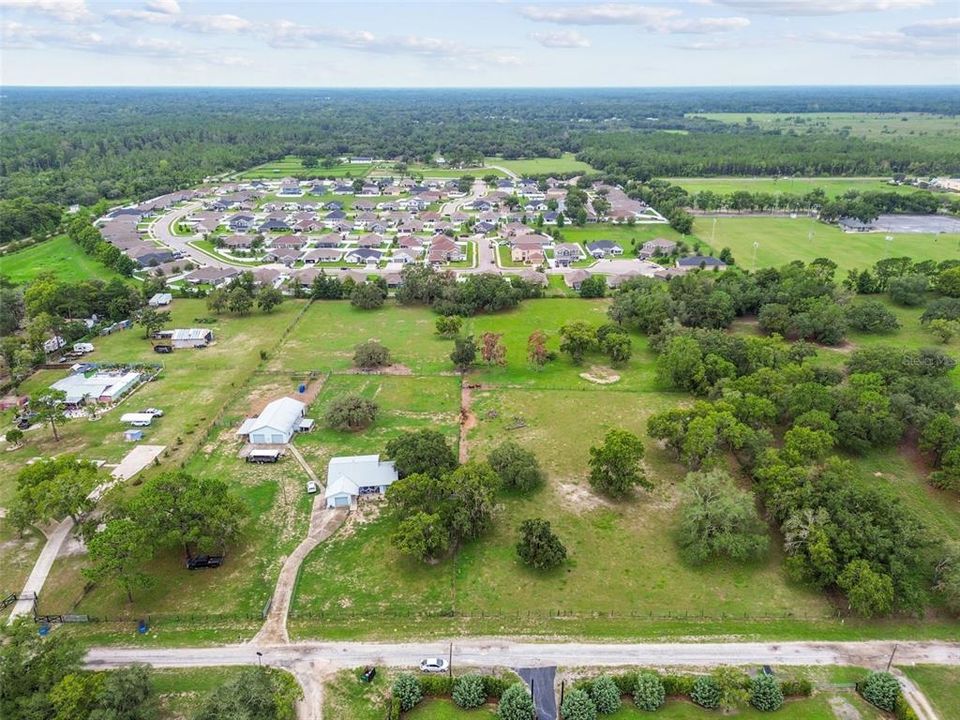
(276, 424)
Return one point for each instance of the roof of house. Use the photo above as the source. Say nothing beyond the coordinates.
(698, 260)
(283, 414)
(365, 253)
(603, 245)
(349, 474)
(660, 243)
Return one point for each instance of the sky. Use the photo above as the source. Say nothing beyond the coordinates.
(305, 43)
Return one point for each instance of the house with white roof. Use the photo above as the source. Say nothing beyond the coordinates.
(102, 387)
(350, 477)
(277, 423)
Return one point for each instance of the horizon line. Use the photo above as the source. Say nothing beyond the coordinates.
(476, 87)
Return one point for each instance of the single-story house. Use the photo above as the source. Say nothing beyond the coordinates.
(532, 276)
(103, 387)
(237, 242)
(321, 255)
(405, 255)
(350, 477)
(363, 255)
(272, 224)
(602, 248)
(443, 249)
(212, 275)
(276, 424)
(700, 261)
(850, 224)
(575, 279)
(187, 337)
(240, 222)
(286, 255)
(657, 246)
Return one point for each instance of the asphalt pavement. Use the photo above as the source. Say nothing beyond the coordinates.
(540, 680)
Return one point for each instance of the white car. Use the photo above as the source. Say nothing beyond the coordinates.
(433, 665)
(312, 487)
(153, 411)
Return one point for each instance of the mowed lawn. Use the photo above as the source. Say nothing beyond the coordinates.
(832, 186)
(59, 256)
(941, 685)
(291, 166)
(630, 238)
(566, 163)
(781, 240)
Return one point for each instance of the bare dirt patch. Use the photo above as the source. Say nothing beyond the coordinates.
(600, 375)
(366, 511)
(843, 710)
(395, 369)
(579, 496)
(266, 393)
(468, 420)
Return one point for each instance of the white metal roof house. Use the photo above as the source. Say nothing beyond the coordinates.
(355, 475)
(160, 299)
(104, 387)
(187, 337)
(276, 424)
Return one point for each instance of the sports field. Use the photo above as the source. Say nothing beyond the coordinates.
(59, 256)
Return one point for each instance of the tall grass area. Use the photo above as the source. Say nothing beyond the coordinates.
(59, 256)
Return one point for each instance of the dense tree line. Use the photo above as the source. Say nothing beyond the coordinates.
(22, 217)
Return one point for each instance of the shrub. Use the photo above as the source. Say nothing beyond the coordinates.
(765, 693)
(516, 703)
(605, 695)
(649, 692)
(538, 546)
(678, 685)
(880, 689)
(406, 691)
(872, 316)
(494, 686)
(14, 436)
(367, 296)
(577, 705)
(705, 692)
(468, 691)
(370, 355)
(626, 682)
(800, 687)
(518, 468)
(436, 685)
(902, 709)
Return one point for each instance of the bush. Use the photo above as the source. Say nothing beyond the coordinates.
(765, 693)
(678, 685)
(370, 355)
(367, 296)
(872, 316)
(439, 685)
(649, 692)
(706, 692)
(518, 468)
(468, 691)
(14, 436)
(880, 689)
(406, 691)
(902, 709)
(797, 688)
(516, 703)
(577, 705)
(909, 290)
(626, 682)
(494, 686)
(538, 546)
(605, 695)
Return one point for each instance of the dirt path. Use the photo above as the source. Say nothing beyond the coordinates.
(468, 420)
(916, 699)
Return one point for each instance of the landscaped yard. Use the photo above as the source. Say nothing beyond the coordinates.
(59, 256)
(781, 240)
(562, 165)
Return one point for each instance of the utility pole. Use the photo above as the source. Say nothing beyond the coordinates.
(450, 662)
(894, 652)
(259, 659)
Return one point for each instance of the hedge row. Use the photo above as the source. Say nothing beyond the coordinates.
(682, 685)
(882, 690)
(408, 690)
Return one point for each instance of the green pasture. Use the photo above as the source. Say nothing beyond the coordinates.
(562, 165)
(59, 256)
(832, 186)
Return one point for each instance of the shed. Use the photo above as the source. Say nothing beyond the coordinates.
(352, 476)
(160, 299)
(133, 435)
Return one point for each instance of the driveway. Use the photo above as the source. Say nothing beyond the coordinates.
(540, 680)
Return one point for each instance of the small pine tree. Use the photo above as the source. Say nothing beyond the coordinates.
(649, 693)
(765, 693)
(468, 691)
(407, 691)
(706, 693)
(577, 705)
(605, 695)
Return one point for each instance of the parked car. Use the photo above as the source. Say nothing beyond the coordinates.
(433, 665)
(312, 487)
(26, 420)
(163, 348)
(156, 412)
(204, 561)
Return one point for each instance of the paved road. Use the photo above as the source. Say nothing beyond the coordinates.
(311, 662)
(509, 173)
(541, 680)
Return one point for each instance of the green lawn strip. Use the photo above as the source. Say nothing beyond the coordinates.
(813, 708)
(629, 237)
(345, 696)
(564, 164)
(443, 709)
(208, 248)
(182, 691)
(60, 256)
(782, 240)
(941, 685)
(832, 186)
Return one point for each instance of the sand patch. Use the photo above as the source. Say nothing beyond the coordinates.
(366, 511)
(580, 497)
(843, 710)
(600, 375)
(394, 369)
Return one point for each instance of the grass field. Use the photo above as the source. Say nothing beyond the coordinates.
(629, 238)
(933, 131)
(182, 691)
(60, 256)
(566, 163)
(291, 166)
(940, 684)
(832, 186)
(782, 240)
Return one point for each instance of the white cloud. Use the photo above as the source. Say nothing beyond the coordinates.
(561, 39)
(603, 14)
(171, 7)
(796, 8)
(655, 19)
(932, 28)
(287, 34)
(69, 11)
(895, 43)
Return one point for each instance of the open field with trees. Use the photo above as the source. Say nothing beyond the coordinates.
(59, 256)
(783, 239)
(563, 165)
(292, 166)
(832, 186)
